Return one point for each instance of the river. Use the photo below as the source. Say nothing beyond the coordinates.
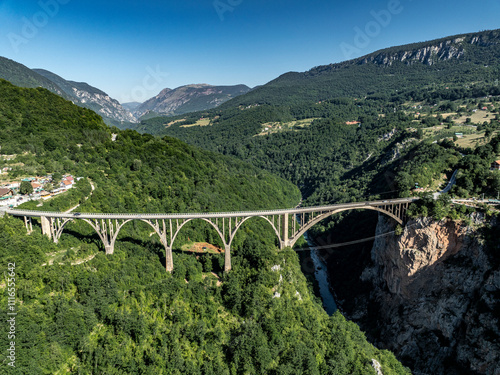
(321, 276)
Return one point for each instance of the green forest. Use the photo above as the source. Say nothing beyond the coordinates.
(354, 131)
(81, 311)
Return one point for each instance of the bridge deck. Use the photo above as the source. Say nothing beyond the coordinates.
(208, 215)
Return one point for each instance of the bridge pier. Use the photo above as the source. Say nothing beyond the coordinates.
(227, 258)
(46, 226)
(169, 260)
(109, 248)
(28, 224)
(285, 235)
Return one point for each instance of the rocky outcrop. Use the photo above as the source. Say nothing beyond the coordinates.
(433, 297)
(190, 98)
(103, 104)
(428, 55)
(84, 95)
(433, 52)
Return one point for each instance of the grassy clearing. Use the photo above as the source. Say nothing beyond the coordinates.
(174, 122)
(473, 140)
(275, 127)
(201, 247)
(200, 122)
(478, 117)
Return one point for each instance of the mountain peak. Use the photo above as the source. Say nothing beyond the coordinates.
(190, 98)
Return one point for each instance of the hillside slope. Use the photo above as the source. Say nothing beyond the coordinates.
(79, 93)
(23, 76)
(455, 59)
(90, 97)
(123, 313)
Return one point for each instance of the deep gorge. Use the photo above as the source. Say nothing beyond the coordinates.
(430, 295)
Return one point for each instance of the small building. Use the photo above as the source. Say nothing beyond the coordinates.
(459, 135)
(496, 165)
(66, 184)
(36, 186)
(6, 192)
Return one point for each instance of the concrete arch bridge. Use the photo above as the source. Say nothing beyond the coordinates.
(288, 224)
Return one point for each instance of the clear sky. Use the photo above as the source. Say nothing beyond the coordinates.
(131, 49)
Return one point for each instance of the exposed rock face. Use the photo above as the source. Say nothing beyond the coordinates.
(104, 105)
(441, 50)
(429, 55)
(434, 298)
(84, 95)
(190, 98)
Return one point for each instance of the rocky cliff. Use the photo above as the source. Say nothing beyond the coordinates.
(430, 53)
(446, 50)
(84, 95)
(433, 296)
(190, 98)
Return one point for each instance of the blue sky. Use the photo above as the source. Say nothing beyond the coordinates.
(132, 49)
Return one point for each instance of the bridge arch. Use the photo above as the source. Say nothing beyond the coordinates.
(317, 219)
(178, 229)
(108, 237)
(238, 226)
(57, 232)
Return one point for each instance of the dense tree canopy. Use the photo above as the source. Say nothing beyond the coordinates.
(79, 310)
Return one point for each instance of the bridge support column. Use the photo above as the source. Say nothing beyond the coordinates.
(169, 260)
(227, 258)
(110, 248)
(285, 235)
(28, 224)
(46, 227)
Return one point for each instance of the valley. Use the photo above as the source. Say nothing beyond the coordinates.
(358, 142)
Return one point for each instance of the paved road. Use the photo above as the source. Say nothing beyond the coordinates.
(448, 187)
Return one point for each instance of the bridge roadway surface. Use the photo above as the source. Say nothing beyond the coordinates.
(209, 215)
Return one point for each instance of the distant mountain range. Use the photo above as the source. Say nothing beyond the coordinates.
(461, 58)
(79, 93)
(168, 102)
(190, 98)
(90, 97)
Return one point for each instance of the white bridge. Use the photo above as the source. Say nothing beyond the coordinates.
(288, 224)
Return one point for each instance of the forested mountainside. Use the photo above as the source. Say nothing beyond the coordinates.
(79, 310)
(348, 145)
(90, 97)
(397, 122)
(23, 76)
(79, 93)
(452, 60)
